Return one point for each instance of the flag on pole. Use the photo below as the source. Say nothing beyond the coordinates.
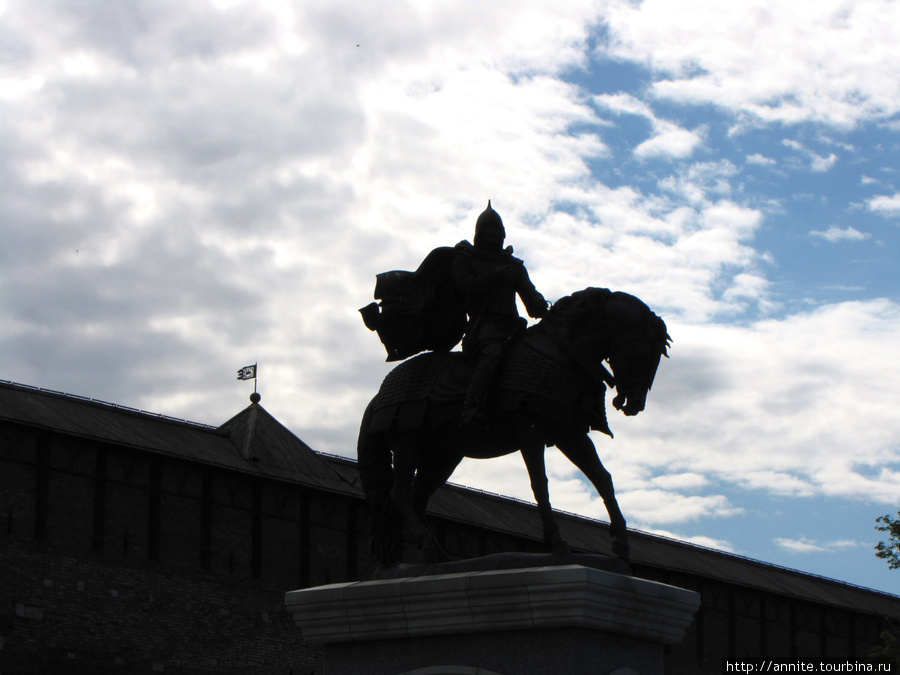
(247, 373)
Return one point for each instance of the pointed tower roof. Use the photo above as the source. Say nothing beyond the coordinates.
(261, 438)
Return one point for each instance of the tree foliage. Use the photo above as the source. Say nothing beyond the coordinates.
(889, 645)
(889, 550)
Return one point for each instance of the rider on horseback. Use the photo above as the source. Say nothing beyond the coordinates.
(488, 277)
(467, 290)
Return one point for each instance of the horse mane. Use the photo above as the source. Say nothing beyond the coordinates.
(585, 309)
(574, 312)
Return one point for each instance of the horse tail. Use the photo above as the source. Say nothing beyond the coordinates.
(377, 477)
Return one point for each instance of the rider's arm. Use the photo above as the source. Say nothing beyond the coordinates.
(534, 302)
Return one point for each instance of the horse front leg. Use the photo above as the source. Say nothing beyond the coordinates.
(581, 452)
(533, 454)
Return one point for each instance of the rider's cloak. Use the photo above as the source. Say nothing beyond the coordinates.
(418, 311)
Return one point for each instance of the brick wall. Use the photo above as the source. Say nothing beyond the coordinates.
(736, 622)
(84, 614)
(117, 560)
(114, 560)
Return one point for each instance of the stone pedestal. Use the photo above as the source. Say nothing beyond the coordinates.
(567, 619)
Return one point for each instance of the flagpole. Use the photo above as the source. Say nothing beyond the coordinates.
(250, 373)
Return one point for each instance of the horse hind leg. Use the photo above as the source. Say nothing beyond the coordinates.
(430, 476)
(406, 460)
(581, 452)
(376, 475)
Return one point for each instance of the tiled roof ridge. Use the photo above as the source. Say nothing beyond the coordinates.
(107, 404)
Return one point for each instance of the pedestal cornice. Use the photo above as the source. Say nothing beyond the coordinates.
(472, 602)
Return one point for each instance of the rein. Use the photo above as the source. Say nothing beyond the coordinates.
(597, 371)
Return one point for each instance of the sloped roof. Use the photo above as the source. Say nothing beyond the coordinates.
(289, 458)
(261, 438)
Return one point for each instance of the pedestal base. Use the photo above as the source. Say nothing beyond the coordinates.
(568, 619)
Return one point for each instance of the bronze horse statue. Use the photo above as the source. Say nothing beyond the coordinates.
(549, 391)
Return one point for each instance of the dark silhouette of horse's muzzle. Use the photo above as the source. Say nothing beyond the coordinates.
(630, 405)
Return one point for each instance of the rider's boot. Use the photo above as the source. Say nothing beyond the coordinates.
(474, 413)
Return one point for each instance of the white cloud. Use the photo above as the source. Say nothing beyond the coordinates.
(779, 483)
(668, 140)
(885, 205)
(804, 545)
(845, 543)
(801, 545)
(622, 103)
(706, 542)
(761, 160)
(680, 481)
(801, 405)
(769, 61)
(701, 182)
(661, 506)
(746, 288)
(817, 163)
(835, 234)
(820, 164)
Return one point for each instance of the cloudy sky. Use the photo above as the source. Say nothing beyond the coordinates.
(190, 187)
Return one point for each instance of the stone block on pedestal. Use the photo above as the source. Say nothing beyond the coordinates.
(534, 621)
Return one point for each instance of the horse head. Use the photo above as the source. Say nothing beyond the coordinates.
(634, 356)
(620, 329)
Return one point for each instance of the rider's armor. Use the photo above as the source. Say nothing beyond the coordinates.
(489, 278)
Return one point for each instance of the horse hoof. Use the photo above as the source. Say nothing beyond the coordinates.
(622, 550)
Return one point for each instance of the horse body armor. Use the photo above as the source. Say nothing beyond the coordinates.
(429, 389)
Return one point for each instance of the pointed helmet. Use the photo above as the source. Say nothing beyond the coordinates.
(489, 231)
